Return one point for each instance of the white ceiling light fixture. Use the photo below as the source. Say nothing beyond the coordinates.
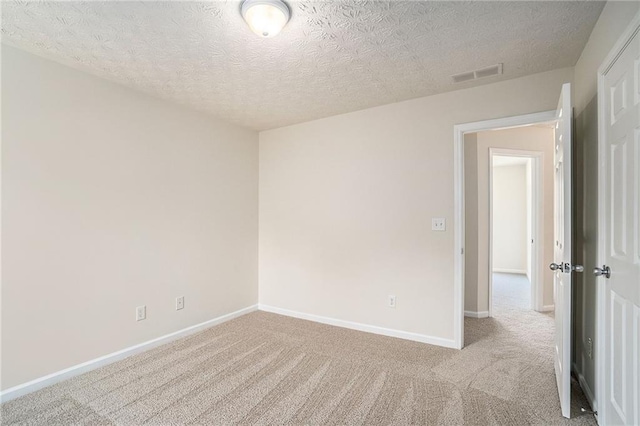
(265, 17)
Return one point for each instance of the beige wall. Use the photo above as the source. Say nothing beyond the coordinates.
(510, 218)
(471, 222)
(529, 207)
(112, 199)
(613, 21)
(523, 138)
(346, 204)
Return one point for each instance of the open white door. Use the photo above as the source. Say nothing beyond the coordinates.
(562, 258)
(618, 337)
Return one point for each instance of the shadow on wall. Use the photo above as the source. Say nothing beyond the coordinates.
(585, 237)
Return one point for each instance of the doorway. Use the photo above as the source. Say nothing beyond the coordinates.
(562, 265)
(516, 227)
(461, 187)
(529, 146)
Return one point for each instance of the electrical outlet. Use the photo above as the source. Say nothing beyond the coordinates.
(392, 301)
(438, 224)
(141, 313)
(590, 348)
(179, 303)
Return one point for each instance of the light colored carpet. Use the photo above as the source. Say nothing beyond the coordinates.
(511, 291)
(269, 369)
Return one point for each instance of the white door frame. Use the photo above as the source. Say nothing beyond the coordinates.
(458, 191)
(600, 373)
(537, 222)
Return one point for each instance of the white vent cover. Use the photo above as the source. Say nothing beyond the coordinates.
(481, 73)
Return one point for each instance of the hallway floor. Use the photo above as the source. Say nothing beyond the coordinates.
(511, 291)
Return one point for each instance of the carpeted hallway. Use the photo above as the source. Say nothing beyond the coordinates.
(511, 291)
(269, 369)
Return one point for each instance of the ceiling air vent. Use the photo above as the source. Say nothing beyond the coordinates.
(481, 73)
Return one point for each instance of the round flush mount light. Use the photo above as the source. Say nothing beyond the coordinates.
(265, 17)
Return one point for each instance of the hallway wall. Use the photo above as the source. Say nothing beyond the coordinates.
(510, 216)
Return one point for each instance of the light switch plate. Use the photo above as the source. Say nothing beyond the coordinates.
(438, 224)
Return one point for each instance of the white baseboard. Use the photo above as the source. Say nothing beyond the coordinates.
(548, 308)
(438, 341)
(78, 369)
(474, 314)
(510, 271)
(585, 388)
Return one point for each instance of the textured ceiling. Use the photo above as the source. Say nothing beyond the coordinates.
(332, 57)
